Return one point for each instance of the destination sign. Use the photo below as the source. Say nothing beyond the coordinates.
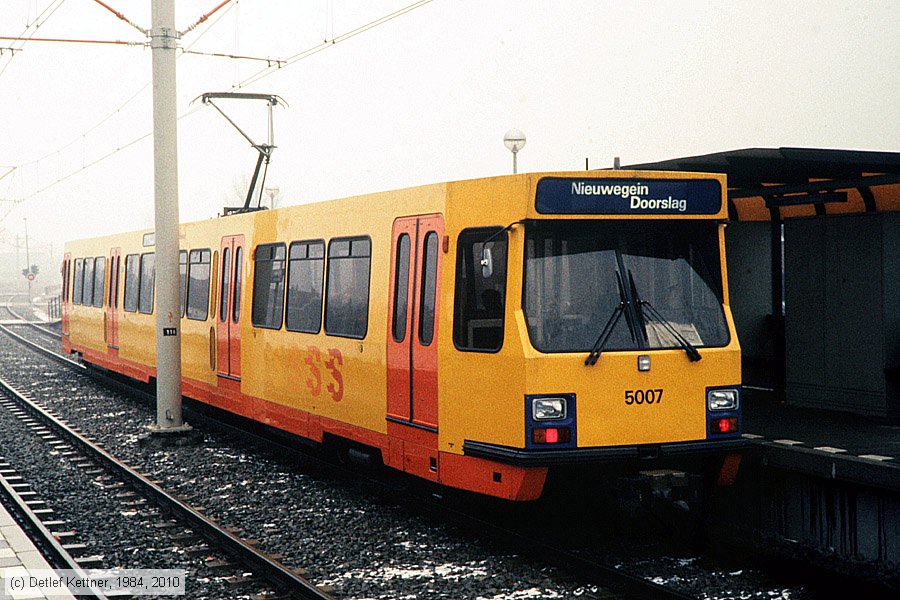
(570, 196)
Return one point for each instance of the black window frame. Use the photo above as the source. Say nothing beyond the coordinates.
(78, 281)
(237, 284)
(65, 274)
(272, 248)
(200, 254)
(144, 284)
(329, 279)
(307, 244)
(427, 264)
(398, 333)
(87, 290)
(479, 236)
(224, 284)
(131, 301)
(99, 279)
(112, 296)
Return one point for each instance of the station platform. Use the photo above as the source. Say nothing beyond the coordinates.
(833, 445)
(18, 556)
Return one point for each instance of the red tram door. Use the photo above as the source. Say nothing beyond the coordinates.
(412, 335)
(112, 301)
(228, 331)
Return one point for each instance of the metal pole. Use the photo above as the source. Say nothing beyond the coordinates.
(28, 263)
(18, 263)
(515, 165)
(163, 44)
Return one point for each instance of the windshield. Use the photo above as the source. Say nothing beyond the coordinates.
(572, 271)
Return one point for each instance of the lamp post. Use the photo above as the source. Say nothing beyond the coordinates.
(514, 141)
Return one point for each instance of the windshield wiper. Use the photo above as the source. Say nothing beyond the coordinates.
(693, 354)
(594, 355)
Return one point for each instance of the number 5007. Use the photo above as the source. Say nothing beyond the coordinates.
(643, 396)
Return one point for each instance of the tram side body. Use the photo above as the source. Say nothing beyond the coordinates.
(457, 417)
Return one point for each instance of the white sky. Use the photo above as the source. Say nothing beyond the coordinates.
(427, 96)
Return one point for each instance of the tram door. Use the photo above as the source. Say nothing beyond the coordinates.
(112, 301)
(228, 331)
(413, 321)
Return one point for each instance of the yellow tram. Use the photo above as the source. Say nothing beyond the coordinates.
(474, 333)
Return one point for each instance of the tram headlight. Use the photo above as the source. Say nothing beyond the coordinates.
(548, 409)
(722, 399)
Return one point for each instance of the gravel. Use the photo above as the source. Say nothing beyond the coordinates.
(363, 540)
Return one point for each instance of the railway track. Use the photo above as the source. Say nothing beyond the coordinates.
(607, 579)
(42, 527)
(56, 432)
(613, 583)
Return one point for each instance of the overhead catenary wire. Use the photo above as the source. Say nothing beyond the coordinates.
(115, 112)
(263, 73)
(72, 40)
(38, 21)
(332, 42)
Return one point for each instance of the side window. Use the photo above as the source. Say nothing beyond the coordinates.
(79, 281)
(347, 298)
(99, 280)
(87, 297)
(306, 270)
(65, 289)
(429, 288)
(268, 286)
(113, 295)
(132, 281)
(238, 279)
(182, 275)
(479, 301)
(223, 293)
(198, 285)
(148, 275)
(401, 289)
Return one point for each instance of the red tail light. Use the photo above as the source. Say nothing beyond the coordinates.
(551, 435)
(726, 425)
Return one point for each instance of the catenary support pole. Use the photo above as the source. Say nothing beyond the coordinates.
(163, 44)
(28, 265)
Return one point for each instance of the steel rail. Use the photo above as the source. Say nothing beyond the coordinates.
(631, 586)
(283, 578)
(48, 353)
(50, 332)
(43, 539)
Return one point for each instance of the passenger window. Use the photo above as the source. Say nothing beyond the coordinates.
(148, 277)
(99, 280)
(223, 293)
(347, 299)
(182, 278)
(112, 299)
(79, 281)
(401, 288)
(132, 281)
(268, 286)
(238, 278)
(198, 285)
(429, 287)
(479, 302)
(65, 289)
(306, 271)
(87, 297)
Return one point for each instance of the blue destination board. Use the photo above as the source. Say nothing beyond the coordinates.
(588, 196)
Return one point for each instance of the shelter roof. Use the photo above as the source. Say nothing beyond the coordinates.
(767, 183)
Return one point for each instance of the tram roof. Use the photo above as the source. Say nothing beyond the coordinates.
(767, 183)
